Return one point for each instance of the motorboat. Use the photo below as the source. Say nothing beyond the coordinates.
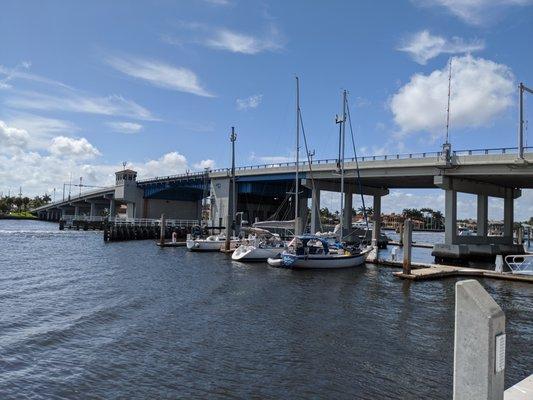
(211, 243)
(259, 246)
(314, 252)
(464, 231)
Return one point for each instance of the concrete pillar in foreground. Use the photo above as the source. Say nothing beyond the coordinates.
(450, 216)
(347, 212)
(508, 203)
(407, 245)
(482, 215)
(479, 349)
(376, 229)
(76, 211)
(315, 211)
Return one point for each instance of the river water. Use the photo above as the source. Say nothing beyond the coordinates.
(80, 318)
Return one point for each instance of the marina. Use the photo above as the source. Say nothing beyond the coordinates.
(139, 311)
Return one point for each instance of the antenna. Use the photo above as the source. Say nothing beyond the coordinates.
(124, 163)
(448, 108)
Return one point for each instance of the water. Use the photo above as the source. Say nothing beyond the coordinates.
(80, 318)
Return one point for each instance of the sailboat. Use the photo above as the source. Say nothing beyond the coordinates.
(260, 245)
(311, 251)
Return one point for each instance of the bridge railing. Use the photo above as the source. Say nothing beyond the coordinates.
(94, 218)
(379, 157)
(154, 222)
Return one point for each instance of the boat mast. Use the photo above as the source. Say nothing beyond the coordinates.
(296, 182)
(342, 133)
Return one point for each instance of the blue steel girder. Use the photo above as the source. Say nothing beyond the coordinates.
(187, 190)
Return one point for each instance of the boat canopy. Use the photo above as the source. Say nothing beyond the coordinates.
(305, 239)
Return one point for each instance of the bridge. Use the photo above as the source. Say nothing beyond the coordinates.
(262, 192)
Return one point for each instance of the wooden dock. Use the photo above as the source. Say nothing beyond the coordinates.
(414, 244)
(423, 271)
(170, 244)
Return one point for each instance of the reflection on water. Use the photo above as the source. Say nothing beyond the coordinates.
(82, 318)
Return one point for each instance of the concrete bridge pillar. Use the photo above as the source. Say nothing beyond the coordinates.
(302, 215)
(76, 211)
(112, 211)
(482, 215)
(508, 215)
(315, 211)
(376, 229)
(92, 213)
(450, 216)
(347, 212)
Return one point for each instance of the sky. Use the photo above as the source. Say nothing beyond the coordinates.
(86, 86)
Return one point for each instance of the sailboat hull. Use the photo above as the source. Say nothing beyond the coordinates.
(253, 253)
(324, 261)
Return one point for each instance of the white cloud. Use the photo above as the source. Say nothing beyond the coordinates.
(41, 129)
(19, 72)
(169, 164)
(75, 102)
(237, 42)
(249, 102)
(160, 74)
(125, 127)
(474, 12)
(209, 164)
(481, 91)
(11, 137)
(423, 46)
(218, 2)
(62, 146)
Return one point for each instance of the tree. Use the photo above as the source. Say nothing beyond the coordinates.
(369, 210)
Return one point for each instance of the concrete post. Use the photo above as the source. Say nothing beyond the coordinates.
(508, 212)
(76, 211)
(315, 211)
(93, 209)
(376, 230)
(302, 215)
(162, 230)
(111, 208)
(479, 348)
(450, 216)
(347, 212)
(407, 242)
(482, 215)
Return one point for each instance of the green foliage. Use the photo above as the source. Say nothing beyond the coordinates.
(19, 204)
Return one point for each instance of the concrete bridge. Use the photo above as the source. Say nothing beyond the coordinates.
(262, 192)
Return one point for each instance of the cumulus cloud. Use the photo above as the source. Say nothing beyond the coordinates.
(125, 127)
(423, 46)
(474, 12)
(481, 91)
(12, 137)
(169, 164)
(160, 74)
(63, 146)
(209, 164)
(249, 102)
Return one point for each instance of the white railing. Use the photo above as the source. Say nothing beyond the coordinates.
(154, 222)
(70, 218)
(520, 264)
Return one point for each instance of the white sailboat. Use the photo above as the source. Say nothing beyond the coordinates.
(259, 246)
(211, 243)
(311, 251)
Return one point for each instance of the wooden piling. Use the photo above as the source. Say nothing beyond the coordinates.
(407, 245)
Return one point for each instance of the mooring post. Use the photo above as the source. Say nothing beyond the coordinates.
(520, 235)
(400, 228)
(479, 348)
(162, 234)
(407, 241)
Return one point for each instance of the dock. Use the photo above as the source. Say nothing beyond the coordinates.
(171, 244)
(414, 244)
(424, 271)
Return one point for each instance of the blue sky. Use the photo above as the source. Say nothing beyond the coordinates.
(85, 86)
